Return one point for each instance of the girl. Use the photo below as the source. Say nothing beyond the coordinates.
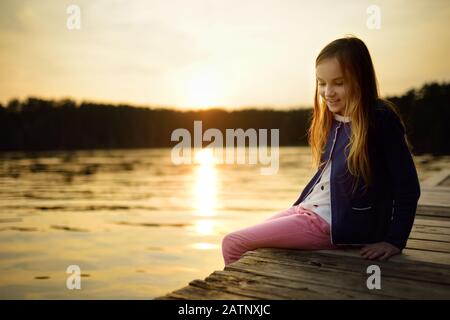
(366, 189)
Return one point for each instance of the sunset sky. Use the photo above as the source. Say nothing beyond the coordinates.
(200, 53)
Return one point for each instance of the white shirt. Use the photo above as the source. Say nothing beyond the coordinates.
(319, 199)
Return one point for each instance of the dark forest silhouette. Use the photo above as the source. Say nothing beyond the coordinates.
(37, 124)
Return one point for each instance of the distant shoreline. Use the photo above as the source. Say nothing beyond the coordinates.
(36, 124)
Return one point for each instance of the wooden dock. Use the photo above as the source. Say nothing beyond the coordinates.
(421, 272)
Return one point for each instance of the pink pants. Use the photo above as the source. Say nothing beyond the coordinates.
(294, 228)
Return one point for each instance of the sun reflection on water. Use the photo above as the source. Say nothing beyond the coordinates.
(206, 180)
(205, 194)
(204, 226)
(204, 246)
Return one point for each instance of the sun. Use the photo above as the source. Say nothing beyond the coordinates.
(205, 89)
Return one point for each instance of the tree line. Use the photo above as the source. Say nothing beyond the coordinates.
(37, 124)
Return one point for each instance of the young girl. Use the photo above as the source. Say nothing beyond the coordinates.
(366, 189)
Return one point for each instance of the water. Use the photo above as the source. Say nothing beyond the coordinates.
(137, 225)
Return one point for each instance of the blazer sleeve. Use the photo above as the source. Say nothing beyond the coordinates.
(406, 187)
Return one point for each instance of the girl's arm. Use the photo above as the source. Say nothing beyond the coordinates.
(406, 187)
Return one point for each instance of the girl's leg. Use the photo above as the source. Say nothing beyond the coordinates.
(302, 229)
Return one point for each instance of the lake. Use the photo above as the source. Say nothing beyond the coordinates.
(136, 224)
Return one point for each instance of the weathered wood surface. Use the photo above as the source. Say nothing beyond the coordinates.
(435, 192)
(422, 271)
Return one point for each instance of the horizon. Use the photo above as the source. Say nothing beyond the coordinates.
(79, 102)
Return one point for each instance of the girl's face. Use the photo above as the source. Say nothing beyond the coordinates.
(330, 83)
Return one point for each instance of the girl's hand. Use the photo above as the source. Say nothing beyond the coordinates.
(381, 250)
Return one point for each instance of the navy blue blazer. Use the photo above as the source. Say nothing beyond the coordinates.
(385, 210)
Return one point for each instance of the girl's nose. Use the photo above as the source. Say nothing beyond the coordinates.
(329, 92)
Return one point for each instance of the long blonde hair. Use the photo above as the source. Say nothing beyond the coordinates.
(362, 93)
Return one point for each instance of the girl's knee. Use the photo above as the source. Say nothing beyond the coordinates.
(233, 242)
(232, 247)
(229, 240)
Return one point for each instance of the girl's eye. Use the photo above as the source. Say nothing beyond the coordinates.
(321, 84)
(339, 83)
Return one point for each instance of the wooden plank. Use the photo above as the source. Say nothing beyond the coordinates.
(294, 274)
(417, 235)
(340, 279)
(431, 230)
(333, 259)
(432, 223)
(284, 288)
(438, 193)
(197, 293)
(435, 191)
(433, 211)
(415, 256)
(408, 255)
(428, 245)
(436, 179)
(259, 289)
(446, 182)
(442, 188)
(434, 199)
(347, 287)
(431, 215)
(264, 292)
(391, 285)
